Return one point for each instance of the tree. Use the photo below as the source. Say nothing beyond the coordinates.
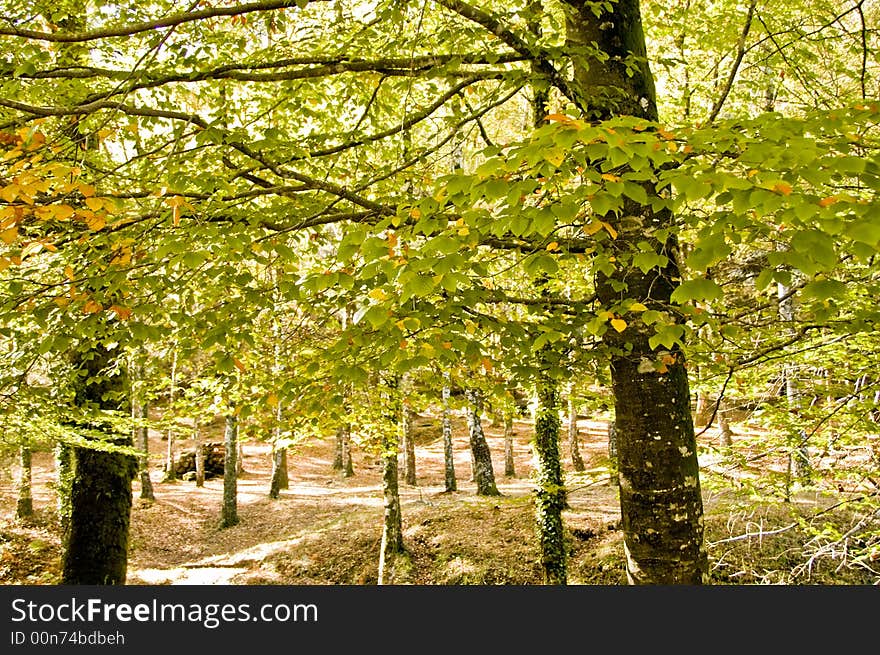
(484, 473)
(229, 511)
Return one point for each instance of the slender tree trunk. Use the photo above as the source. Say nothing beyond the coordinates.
(725, 433)
(337, 457)
(200, 454)
(446, 429)
(239, 459)
(661, 505)
(229, 516)
(509, 464)
(347, 463)
(409, 447)
(141, 412)
(612, 453)
(799, 455)
(484, 474)
(25, 506)
(392, 527)
(577, 461)
(550, 494)
(96, 550)
(170, 470)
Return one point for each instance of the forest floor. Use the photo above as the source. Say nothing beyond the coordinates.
(326, 529)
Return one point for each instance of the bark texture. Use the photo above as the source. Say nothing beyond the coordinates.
(661, 504)
(229, 512)
(446, 429)
(25, 506)
(550, 493)
(484, 473)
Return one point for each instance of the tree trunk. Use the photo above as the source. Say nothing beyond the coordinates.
(279, 472)
(64, 477)
(25, 506)
(347, 463)
(725, 433)
(200, 454)
(799, 455)
(170, 473)
(509, 464)
(550, 494)
(392, 527)
(612, 453)
(661, 505)
(409, 446)
(577, 461)
(446, 428)
(229, 516)
(338, 456)
(141, 412)
(96, 550)
(484, 474)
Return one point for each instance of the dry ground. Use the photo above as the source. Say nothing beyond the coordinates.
(325, 529)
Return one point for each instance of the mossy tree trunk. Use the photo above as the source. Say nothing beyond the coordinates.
(229, 513)
(446, 430)
(661, 505)
(550, 493)
(96, 551)
(392, 523)
(484, 473)
(577, 461)
(24, 508)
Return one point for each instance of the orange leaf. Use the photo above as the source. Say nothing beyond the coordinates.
(87, 190)
(122, 313)
(241, 367)
(827, 202)
(610, 177)
(92, 307)
(553, 245)
(559, 118)
(783, 187)
(487, 364)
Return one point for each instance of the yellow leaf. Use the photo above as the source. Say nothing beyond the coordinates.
(555, 157)
(9, 235)
(463, 232)
(611, 231)
(5, 263)
(94, 203)
(272, 399)
(559, 118)
(618, 324)
(637, 307)
(96, 222)
(610, 177)
(61, 212)
(86, 189)
(10, 193)
(69, 272)
(400, 325)
(553, 245)
(415, 212)
(61, 301)
(592, 227)
(378, 295)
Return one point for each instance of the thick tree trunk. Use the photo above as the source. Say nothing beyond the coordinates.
(577, 461)
(141, 412)
(661, 505)
(612, 453)
(484, 474)
(409, 446)
(550, 494)
(229, 514)
(446, 429)
(25, 506)
(509, 464)
(96, 550)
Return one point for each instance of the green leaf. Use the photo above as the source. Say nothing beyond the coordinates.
(697, 289)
